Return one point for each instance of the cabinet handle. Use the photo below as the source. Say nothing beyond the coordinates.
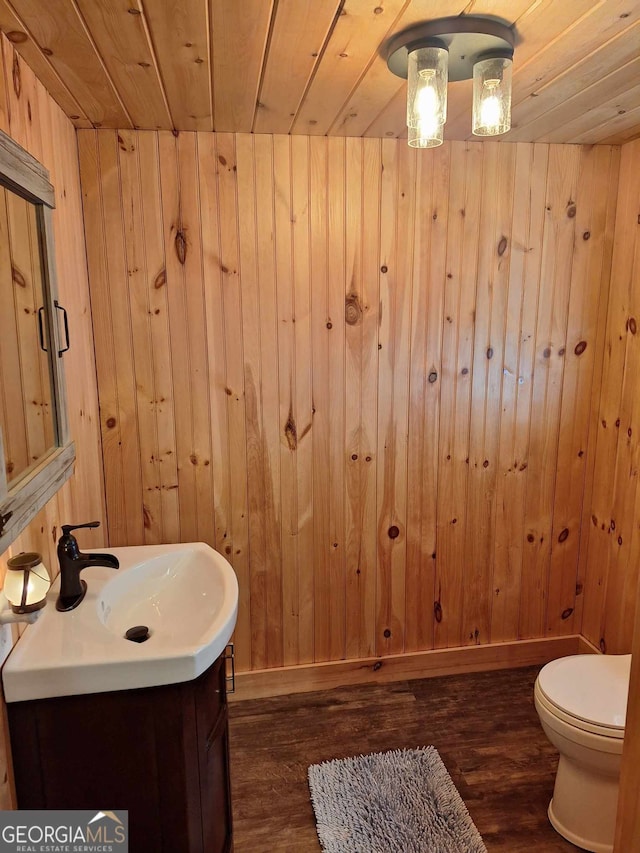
(229, 655)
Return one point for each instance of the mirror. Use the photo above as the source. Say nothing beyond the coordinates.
(26, 411)
(36, 454)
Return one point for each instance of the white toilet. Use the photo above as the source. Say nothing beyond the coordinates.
(582, 704)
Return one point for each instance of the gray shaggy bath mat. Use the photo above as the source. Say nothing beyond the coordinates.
(391, 802)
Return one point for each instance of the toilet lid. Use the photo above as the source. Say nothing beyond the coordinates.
(593, 688)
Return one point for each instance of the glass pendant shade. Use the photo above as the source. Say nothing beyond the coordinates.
(26, 583)
(427, 77)
(426, 135)
(492, 96)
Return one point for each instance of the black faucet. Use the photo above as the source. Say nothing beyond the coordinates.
(72, 562)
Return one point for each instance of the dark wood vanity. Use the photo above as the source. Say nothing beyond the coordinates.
(160, 752)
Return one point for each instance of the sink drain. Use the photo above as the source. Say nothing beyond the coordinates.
(137, 634)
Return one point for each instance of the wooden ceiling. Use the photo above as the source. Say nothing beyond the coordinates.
(314, 67)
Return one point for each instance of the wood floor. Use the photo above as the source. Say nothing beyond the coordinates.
(484, 725)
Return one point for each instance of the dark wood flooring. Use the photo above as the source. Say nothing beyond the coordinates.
(484, 726)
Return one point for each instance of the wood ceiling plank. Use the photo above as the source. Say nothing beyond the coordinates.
(618, 114)
(621, 137)
(18, 34)
(180, 35)
(541, 28)
(239, 33)
(299, 32)
(605, 29)
(604, 35)
(204, 64)
(392, 119)
(60, 33)
(562, 109)
(592, 70)
(358, 32)
(593, 59)
(118, 29)
(379, 86)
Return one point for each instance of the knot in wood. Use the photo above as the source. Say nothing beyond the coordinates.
(352, 309)
(437, 611)
(580, 347)
(17, 277)
(632, 325)
(393, 532)
(291, 433)
(564, 535)
(566, 613)
(16, 36)
(432, 376)
(181, 246)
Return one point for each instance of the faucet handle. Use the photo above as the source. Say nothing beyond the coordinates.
(67, 528)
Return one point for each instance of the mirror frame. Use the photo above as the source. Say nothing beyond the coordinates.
(21, 501)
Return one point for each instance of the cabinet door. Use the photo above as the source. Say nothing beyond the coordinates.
(213, 746)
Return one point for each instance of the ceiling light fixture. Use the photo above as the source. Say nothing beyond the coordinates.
(432, 54)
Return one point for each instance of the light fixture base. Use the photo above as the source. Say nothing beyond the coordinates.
(466, 37)
(8, 616)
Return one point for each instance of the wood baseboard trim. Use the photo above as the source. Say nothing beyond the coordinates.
(586, 647)
(280, 681)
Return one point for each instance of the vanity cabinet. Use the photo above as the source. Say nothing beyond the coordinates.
(160, 752)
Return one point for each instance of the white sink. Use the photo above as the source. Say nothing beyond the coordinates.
(186, 595)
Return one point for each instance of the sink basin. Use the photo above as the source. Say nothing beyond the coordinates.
(187, 597)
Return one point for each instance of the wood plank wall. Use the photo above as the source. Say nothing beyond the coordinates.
(611, 530)
(32, 118)
(365, 374)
